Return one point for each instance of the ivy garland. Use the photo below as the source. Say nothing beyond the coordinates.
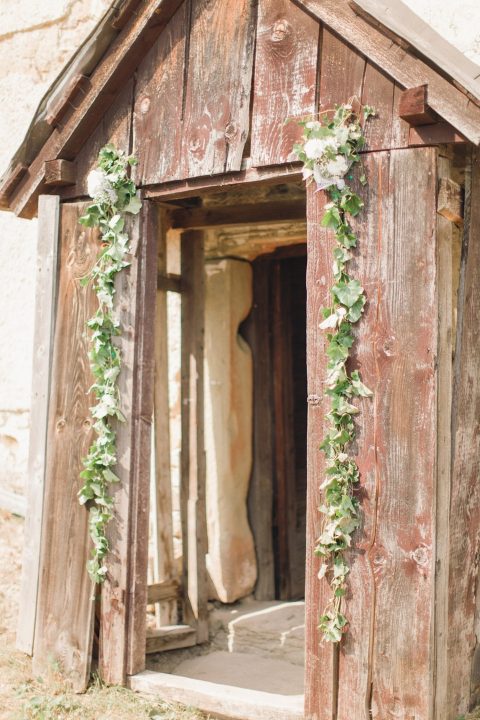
(329, 150)
(114, 195)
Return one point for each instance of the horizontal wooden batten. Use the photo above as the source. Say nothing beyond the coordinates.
(60, 172)
(171, 637)
(169, 282)
(414, 107)
(239, 214)
(436, 134)
(166, 590)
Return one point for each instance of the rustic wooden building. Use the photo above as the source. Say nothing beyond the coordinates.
(199, 91)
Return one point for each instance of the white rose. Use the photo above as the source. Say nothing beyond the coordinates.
(315, 147)
(337, 167)
(99, 187)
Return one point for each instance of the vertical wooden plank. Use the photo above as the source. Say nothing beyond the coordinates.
(285, 79)
(218, 85)
(46, 280)
(320, 660)
(124, 592)
(64, 626)
(462, 645)
(341, 72)
(260, 494)
(158, 104)
(193, 467)
(391, 585)
(378, 92)
(164, 568)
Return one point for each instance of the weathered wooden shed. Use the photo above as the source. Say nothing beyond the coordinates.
(200, 91)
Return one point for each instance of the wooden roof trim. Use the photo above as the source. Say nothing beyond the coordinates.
(121, 59)
(409, 71)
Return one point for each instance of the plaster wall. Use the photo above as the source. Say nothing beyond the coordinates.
(36, 39)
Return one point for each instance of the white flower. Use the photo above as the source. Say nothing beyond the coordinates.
(321, 178)
(100, 188)
(313, 125)
(307, 173)
(315, 148)
(340, 183)
(341, 134)
(353, 132)
(337, 167)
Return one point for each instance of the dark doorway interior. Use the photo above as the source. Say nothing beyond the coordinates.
(276, 331)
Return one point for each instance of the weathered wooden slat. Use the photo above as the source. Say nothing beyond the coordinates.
(164, 561)
(218, 84)
(405, 68)
(11, 182)
(46, 281)
(65, 607)
(320, 661)
(118, 63)
(238, 214)
(193, 465)
(79, 84)
(158, 103)
(450, 201)
(260, 492)
(378, 91)
(437, 134)
(285, 79)
(172, 637)
(124, 592)
(341, 72)
(463, 614)
(164, 590)
(169, 282)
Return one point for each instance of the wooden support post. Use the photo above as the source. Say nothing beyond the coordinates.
(48, 221)
(60, 172)
(164, 563)
(124, 592)
(193, 467)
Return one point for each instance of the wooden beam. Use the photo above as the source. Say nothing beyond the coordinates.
(165, 590)
(193, 466)
(124, 13)
(171, 637)
(452, 104)
(239, 214)
(414, 107)
(45, 296)
(450, 200)
(60, 172)
(12, 180)
(245, 178)
(169, 282)
(440, 133)
(79, 83)
(119, 62)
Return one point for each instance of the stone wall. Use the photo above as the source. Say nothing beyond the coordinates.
(36, 39)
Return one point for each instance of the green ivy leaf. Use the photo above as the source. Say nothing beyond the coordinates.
(347, 293)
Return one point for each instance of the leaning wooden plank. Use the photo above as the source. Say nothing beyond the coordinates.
(118, 63)
(48, 220)
(171, 637)
(164, 560)
(218, 84)
(404, 67)
(65, 606)
(165, 590)
(193, 467)
(285, 79)
(124, 592)
(464, 608)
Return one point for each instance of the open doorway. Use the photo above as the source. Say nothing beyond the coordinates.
(236, 340)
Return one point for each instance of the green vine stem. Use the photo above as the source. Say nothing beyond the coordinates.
(329, 150)
(114, 195)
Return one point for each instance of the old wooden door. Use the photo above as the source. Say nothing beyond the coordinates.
(66, 597)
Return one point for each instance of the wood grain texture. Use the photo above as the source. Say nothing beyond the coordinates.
(124, 592)
(45, 290)
(260, 492)
(402, 66)
(164, 562)
(341, 72)
(386, 659)
(193, 462)
(285, 79)
(463, 617)
(218, 84)
(159, 92)
(64, 626)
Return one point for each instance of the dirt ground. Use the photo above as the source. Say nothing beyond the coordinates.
(24, 697)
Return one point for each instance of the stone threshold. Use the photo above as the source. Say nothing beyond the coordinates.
(221, 701)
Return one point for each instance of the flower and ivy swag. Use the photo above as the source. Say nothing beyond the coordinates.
(329, 150)
(114, 195)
